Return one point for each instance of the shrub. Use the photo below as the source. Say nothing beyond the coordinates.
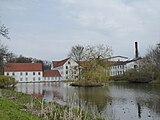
(6, 81)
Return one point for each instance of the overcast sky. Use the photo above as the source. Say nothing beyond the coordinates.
(47, 29)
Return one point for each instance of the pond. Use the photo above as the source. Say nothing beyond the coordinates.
(114, 101)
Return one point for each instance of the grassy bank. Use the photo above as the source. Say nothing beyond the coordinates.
(12, 111)
(27, 107)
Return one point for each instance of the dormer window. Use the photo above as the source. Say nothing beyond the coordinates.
(69, 62)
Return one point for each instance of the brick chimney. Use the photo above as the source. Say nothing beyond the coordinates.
(136, 50)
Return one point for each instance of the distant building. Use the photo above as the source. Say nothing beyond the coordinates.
(134, 63)
(30, 72)
(118, 68)
(24, 72)
(65, 68)
(118, 65)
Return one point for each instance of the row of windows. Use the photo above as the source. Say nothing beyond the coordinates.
(51, 78)
(21, 73)
(26, 79)
(34, 79)
(117, 72)
(119, 66)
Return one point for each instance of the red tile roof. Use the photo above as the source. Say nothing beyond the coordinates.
(59, 63)
(51, 73)
(13, 67)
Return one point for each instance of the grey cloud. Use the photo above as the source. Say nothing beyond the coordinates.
(50, 28)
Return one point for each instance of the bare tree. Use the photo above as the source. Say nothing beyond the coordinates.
(3, 49)
(95, 66)
(4, 31)
(91, 61)
(151, 63)
(77, 54)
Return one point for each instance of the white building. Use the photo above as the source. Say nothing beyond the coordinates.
(118, 68)
(24, 72)
(119, 65)
(66, 68)
(134, 63)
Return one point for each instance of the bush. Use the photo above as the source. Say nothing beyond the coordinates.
(133, 76)
(6, 81)
(118, 78)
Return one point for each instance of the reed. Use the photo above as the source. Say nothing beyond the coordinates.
(47, 110)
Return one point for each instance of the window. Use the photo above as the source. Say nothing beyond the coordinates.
(13, 74)
(39, 78)
(48, 78)
(20, 73)
(7, 73)
(66, 67)
(26, 79)
(135, 66)
(21, 79)
(69, 62)
(26, 73)
(33, 73)
(39, 73)
(66, 72)
(34, 79)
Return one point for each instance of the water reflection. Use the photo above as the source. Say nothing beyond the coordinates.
(113, 102)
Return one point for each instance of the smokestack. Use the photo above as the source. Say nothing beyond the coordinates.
(136, 49)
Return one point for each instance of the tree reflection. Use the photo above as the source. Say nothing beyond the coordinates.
(94, 99)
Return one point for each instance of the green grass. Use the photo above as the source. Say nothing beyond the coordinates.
(12, 103)
(12, 111)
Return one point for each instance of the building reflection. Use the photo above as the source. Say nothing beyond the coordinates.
(117, 101)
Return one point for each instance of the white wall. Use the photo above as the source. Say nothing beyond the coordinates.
(22, 77)
(132, 65)
(68, 69)
(118, 70)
